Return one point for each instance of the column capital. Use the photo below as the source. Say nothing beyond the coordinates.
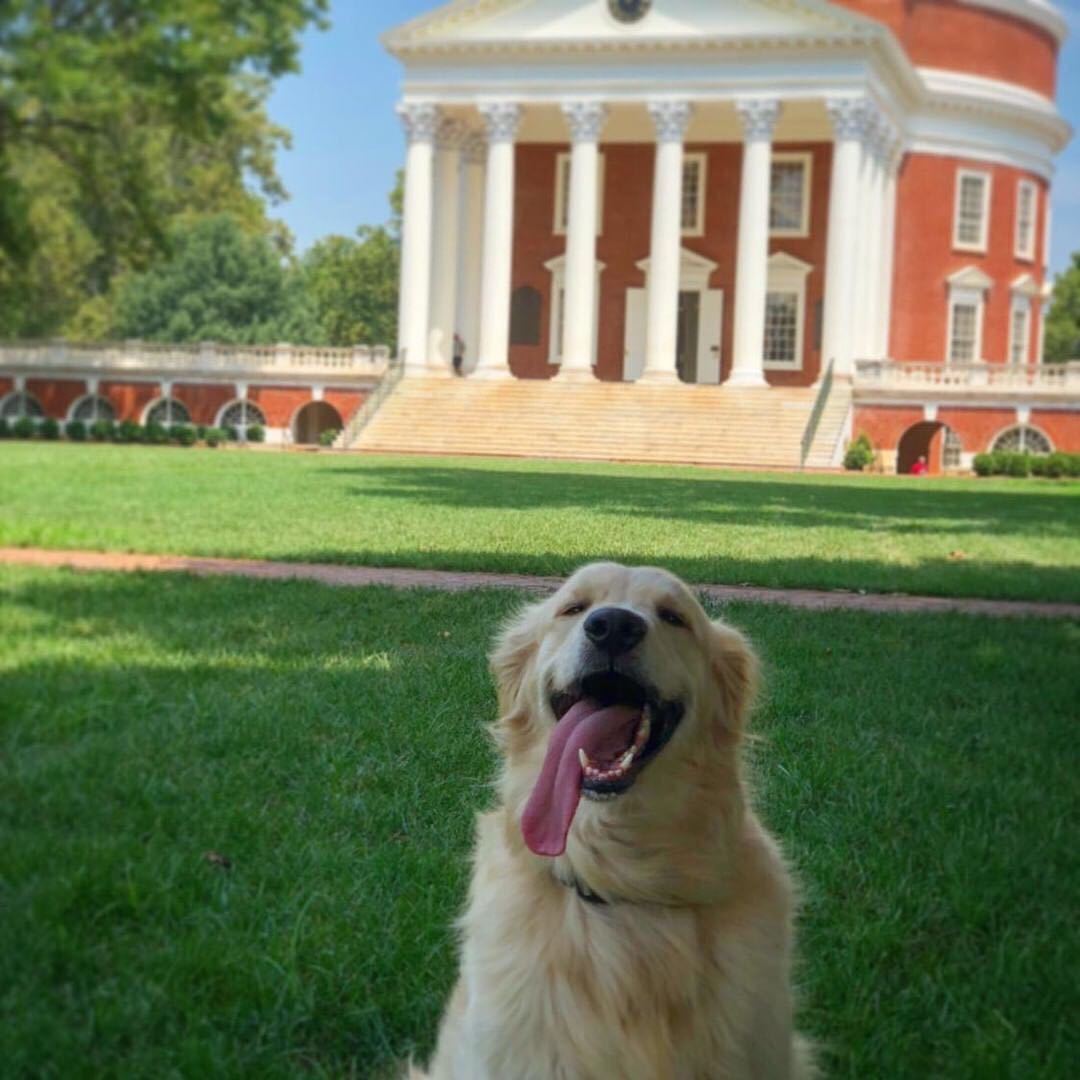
(670, 118)
(501, 120)
(585, 119)
(449, 134)
(420, 120)
(852, 118)
(474, 148)
(758, 117)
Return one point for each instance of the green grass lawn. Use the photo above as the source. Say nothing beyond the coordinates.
(921, 772)
(996, 538)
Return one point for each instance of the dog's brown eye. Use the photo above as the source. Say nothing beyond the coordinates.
(672, 618)
(573, 609)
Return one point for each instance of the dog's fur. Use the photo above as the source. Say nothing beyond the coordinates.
(684, 974)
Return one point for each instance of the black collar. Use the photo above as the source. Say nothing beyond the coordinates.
(583, 891)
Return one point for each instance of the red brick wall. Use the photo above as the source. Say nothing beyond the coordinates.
(279, 403)
(345, 401)
(926, 201)
(56, 395)
(6, 386)
(962, 37)
(130, 399)
(1061, 427)
(203, 400)
(625, 240)
(884, 426)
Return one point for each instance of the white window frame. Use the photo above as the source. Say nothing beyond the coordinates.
(557, 268)
(219, 420)
(1025, 425)
(1027, 251)
(562, 194)
(786, 274)
(167, 397)
(73, 408)
(806, 159)
(702, 158)
(1020, 305)
(966, 297)
(984, 232)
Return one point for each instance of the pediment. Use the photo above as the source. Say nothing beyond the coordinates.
(970, 277)
(691, 264)
(466, 24)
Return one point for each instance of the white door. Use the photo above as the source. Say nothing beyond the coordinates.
(634, 335)
(710, 336)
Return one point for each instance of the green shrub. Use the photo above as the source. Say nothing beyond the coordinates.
(983, 464)
(24, 428)
(1018, 465)
(200, 431)
(155, 434)
(214, 436)
(182, 434)
(327, 437)
(256, 433)
(860, 454)
(5, 428)
(75, 430)
(1072, 464)
(127, 431)
(49, 428)
(102, 430)
(1053, 465)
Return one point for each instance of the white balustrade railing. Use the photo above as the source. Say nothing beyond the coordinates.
(1058, 379)
(207, 358)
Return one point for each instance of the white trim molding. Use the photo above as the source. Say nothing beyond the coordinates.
(1027, 195)
(967, 288)
(701, 160)
(986, 178)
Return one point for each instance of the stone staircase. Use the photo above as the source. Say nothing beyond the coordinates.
(705, 425)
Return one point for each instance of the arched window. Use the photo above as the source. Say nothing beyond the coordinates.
(20, 404)
(241, 415)
(1023, 439)
(525, 316)
(92, 408)
(167, 411)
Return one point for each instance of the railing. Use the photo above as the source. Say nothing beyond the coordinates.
(363, 416)
(1058, 379)
(812, 423)
(207, 358)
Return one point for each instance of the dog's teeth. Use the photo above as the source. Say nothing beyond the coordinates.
(583, 758)
(626, 759)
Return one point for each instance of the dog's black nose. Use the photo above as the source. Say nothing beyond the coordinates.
(614, 629)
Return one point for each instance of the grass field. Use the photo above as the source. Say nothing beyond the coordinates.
(995, 538)
(922, 773)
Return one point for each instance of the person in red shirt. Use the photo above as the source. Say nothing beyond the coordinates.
(920, 468)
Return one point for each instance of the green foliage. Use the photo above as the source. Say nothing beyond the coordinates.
(118, 119)
(49, 429)
(75, 430)
(182, 434)
(103, 431)
(24, 428)
(983, 464)
(327, 437)
(256, 433)
(5, 428)
(1010, 463)
(218, 284)
(127, 431)
(214, 436)
(1063, 318)
(155, 434)
(229, 432)
(860, 454)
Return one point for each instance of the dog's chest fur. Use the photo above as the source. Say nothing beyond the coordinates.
(556, 987)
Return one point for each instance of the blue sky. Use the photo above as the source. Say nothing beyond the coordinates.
(347, 142)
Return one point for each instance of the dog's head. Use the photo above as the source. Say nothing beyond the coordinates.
(621, 705)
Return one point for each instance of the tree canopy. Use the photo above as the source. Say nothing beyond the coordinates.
(1063, 318)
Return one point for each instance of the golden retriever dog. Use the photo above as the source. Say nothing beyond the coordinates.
(629, 918)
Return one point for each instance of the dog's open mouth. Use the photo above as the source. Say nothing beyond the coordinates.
(609, 726)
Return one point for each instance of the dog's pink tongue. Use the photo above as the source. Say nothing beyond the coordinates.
(550, 810)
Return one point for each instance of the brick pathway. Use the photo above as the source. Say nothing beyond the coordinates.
(327, 574)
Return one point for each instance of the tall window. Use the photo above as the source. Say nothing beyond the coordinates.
(1026, 203)
(972, 210)
(785, 312)
(562, 194)
(964, 331)
(693, 195)
(525, 304)
(952, 450)
(789, 195)
(1019, 332)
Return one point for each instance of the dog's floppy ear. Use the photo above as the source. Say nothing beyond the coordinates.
(515, 646)
(735, 672)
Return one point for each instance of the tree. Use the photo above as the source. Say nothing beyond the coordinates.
(1063, 318)
(115, 119)
(351, 285)
(219, 284)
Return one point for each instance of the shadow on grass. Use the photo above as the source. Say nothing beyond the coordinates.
(713, 498)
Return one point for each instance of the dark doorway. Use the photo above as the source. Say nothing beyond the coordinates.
(686, 347)
(313, 419)
(921, 440)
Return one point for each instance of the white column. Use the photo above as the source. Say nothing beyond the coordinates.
(444, 275)
(420, 122)
(671, 119)
(758, 119)
(474, 153)
(893, 157)
(848, 117)
(874, 227)
(861, 299)
(586, 121)
(501, 121)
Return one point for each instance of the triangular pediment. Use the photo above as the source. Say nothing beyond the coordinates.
(468, 24)
(970, 277)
